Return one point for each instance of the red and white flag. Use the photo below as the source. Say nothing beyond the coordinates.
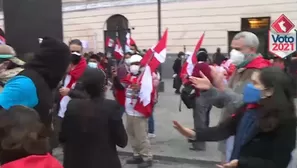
(151, 61)
(188, 66)
(109, 42)
(118, 51)
(157, 54)
(129, 42)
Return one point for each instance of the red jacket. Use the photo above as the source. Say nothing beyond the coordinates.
(34, 161)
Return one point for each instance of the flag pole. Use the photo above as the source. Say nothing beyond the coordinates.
(161, 85)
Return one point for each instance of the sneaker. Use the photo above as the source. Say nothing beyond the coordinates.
(145, 164)
(134, 160)
(152, 135)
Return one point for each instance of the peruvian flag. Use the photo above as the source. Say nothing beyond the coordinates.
(156, 55)
(151, 61)
(188, 66)
(118, 51)
(109, 42)
(129, 42)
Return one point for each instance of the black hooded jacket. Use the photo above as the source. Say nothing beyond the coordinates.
(92, 127)
(46, 70)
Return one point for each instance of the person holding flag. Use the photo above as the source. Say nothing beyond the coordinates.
(139, 100)
(137, 120)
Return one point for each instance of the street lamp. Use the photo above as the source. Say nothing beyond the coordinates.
(161, 85)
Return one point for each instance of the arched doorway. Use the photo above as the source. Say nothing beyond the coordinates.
(116, 26)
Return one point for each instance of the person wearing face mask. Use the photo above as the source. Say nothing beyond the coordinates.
(121, 71)
(94, 62)
(10, 65)
(69, 86)
(264, 126)
(177, 82)
(246, 59)
(137, 122)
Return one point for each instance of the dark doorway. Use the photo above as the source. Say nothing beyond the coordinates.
(116, 26)
(231, 34)
(260, 26)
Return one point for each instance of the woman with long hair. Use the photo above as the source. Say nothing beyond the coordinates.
(264, 127)
(92, 127)
(23, 144)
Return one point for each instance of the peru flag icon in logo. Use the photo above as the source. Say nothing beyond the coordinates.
(282, 25)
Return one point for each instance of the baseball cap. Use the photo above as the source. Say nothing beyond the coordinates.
(7, 52)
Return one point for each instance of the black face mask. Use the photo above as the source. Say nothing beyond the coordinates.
(75, 59)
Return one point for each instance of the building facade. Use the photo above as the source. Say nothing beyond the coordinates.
(185, 20)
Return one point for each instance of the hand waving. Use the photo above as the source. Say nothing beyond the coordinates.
(202, 83)
(186, 132)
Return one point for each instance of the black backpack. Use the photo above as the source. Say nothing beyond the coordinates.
(188, 96)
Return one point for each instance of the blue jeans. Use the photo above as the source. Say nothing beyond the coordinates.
(151, 124)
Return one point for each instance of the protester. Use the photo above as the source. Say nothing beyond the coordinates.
(122, 70)
(10, 65)
(134, 50)
(137, 122)
(264, 127)
(66, 91)
(244, 53)
(93, 127)
(202, 108)
(94, 62)
(75, 70)
(218, 57)
(177, 83)
(33, 87)
(23, 144)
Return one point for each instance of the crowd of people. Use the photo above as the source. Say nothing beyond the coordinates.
(57, 99)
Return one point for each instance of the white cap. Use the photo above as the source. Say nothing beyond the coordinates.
(76, 53)
(135, 58)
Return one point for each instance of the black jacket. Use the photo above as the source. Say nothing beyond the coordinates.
(265, 150)
(177, 66)
(91, 129)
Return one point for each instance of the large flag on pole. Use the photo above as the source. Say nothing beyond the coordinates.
(188, 66)
(118, 51)
(129, 42)
(157, 54)
(151, 61)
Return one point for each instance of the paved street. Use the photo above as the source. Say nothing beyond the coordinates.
(169, 142)
(157, 163)
(171, 150)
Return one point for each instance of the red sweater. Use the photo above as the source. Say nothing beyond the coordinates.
(205, 69)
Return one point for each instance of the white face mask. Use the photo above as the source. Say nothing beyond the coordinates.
(236, 57)
(92, 65)
(127, 61)
(134, 69)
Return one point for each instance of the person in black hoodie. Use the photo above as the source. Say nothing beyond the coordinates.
(176, 69)
(34, 86)
(92, 128)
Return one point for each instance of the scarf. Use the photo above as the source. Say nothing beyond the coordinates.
(246, 130)
(69, 82)
(77, 72)
(8, 74)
